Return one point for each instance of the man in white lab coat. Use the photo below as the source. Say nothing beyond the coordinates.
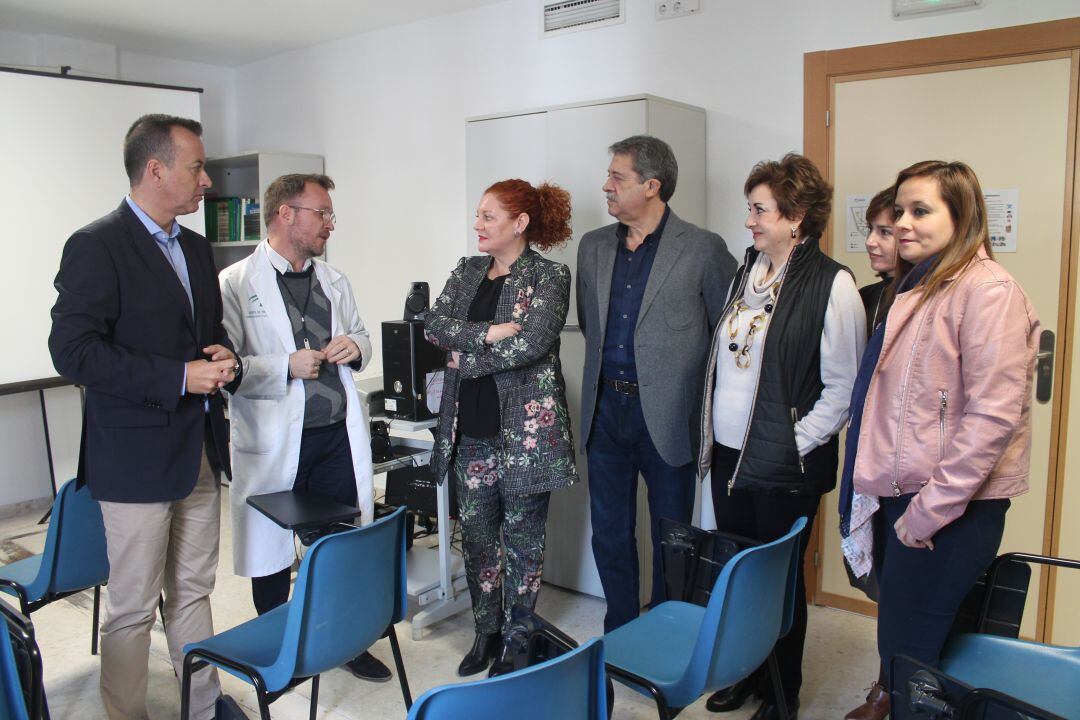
(296, 419)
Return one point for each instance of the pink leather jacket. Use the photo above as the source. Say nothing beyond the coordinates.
(948, 410)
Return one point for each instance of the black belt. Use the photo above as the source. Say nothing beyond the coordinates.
(622, 386)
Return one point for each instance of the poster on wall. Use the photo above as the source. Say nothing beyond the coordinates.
(857, 229)
(1003, 217)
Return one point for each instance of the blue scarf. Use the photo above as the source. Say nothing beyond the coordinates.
(858, 398)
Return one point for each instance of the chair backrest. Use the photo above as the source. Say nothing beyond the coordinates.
(74, 557)
(751, 607)
(12, 697)
(569, 687)
(349, 590)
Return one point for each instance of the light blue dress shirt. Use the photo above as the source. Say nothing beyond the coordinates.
(169, 243)
(170, 246)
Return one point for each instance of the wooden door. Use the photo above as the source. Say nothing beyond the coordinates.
(1013, 120)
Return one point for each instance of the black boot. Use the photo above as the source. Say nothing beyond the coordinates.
(483, 650)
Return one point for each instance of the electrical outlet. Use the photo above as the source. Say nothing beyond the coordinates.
(667, 9)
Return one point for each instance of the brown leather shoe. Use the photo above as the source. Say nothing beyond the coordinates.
(876, 706)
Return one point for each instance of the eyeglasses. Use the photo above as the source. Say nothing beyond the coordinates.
(328, 216)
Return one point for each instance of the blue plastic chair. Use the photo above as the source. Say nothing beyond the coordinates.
(74, 559)
(569, 687)
(1046, 676)
(678, 651)
(13, 698)
(349, 592)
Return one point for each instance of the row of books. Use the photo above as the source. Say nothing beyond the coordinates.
(230, 219)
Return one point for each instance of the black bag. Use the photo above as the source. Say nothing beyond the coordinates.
(693, 558)
(532, 640)
(1003, 591)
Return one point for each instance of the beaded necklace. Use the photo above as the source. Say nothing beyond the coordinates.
(742, 355)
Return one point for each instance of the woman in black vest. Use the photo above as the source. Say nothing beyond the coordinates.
(777, 386)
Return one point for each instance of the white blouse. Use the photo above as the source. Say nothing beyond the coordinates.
(842, 341)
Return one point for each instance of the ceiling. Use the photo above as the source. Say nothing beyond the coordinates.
(219, 32)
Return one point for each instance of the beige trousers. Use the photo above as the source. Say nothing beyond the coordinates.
(155, 546)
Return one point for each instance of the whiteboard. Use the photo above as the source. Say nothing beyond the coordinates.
(61, 140)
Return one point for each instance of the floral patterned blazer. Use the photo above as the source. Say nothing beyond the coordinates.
(537, 444)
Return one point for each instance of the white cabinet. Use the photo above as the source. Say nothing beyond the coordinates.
(568, 145)
(247, 175)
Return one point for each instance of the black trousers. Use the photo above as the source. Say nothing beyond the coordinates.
(325, 468)
(766, 518)
(921, 589)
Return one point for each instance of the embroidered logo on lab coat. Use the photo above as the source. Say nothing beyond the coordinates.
(255, 308)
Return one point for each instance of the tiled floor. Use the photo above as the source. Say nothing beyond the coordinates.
(840, 656)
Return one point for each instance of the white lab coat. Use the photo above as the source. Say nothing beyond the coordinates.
(267, 410)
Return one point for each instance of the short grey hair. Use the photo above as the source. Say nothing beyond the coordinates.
(652, 159)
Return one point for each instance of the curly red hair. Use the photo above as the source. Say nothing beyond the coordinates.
(547, 206)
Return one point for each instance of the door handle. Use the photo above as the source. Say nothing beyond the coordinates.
(1044, 367)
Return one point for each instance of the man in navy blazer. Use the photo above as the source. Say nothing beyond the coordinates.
(137, 322)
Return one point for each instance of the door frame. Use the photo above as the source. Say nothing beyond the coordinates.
(821, 71)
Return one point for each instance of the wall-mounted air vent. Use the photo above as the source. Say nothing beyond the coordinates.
(572, 15)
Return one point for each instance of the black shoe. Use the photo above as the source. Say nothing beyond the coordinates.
(368, 667)
(226, 709)
(730, 698)
(478, 658)
(768, 711)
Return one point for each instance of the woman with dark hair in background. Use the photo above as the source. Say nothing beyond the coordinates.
(941, 430)
(881, 249)
(503, 426)
(876, 297)
(777, 387)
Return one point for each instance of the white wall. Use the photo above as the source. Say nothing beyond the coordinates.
(48, 53)
(387, 111)
(387, 108)
(24, 473)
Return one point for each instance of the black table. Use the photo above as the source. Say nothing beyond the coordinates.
(299, 510)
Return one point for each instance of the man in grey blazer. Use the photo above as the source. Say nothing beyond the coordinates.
(650, 289)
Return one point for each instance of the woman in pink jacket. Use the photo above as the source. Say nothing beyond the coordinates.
(941, 415)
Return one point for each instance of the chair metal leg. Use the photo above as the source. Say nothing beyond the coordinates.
(264, 703)
(400, 665)
(199, 658)
(314, 697)
(97, 613)
(190, 661)
(778, 687)
(663, 711)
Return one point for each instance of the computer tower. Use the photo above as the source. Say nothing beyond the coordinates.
(410, 365)
(414, 487)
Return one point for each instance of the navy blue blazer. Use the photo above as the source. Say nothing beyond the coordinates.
(123, 328)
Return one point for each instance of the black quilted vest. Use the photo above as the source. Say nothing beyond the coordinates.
(789, 381)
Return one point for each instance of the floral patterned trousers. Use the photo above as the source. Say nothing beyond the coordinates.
(502, 535)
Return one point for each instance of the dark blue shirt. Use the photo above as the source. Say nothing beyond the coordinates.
(628, 281)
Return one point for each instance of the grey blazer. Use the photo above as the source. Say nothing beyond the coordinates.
(538, 447)
(683, 301)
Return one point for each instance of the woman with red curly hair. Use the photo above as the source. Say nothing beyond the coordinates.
(503, 426)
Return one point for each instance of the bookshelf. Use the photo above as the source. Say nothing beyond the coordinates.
(247, 175)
